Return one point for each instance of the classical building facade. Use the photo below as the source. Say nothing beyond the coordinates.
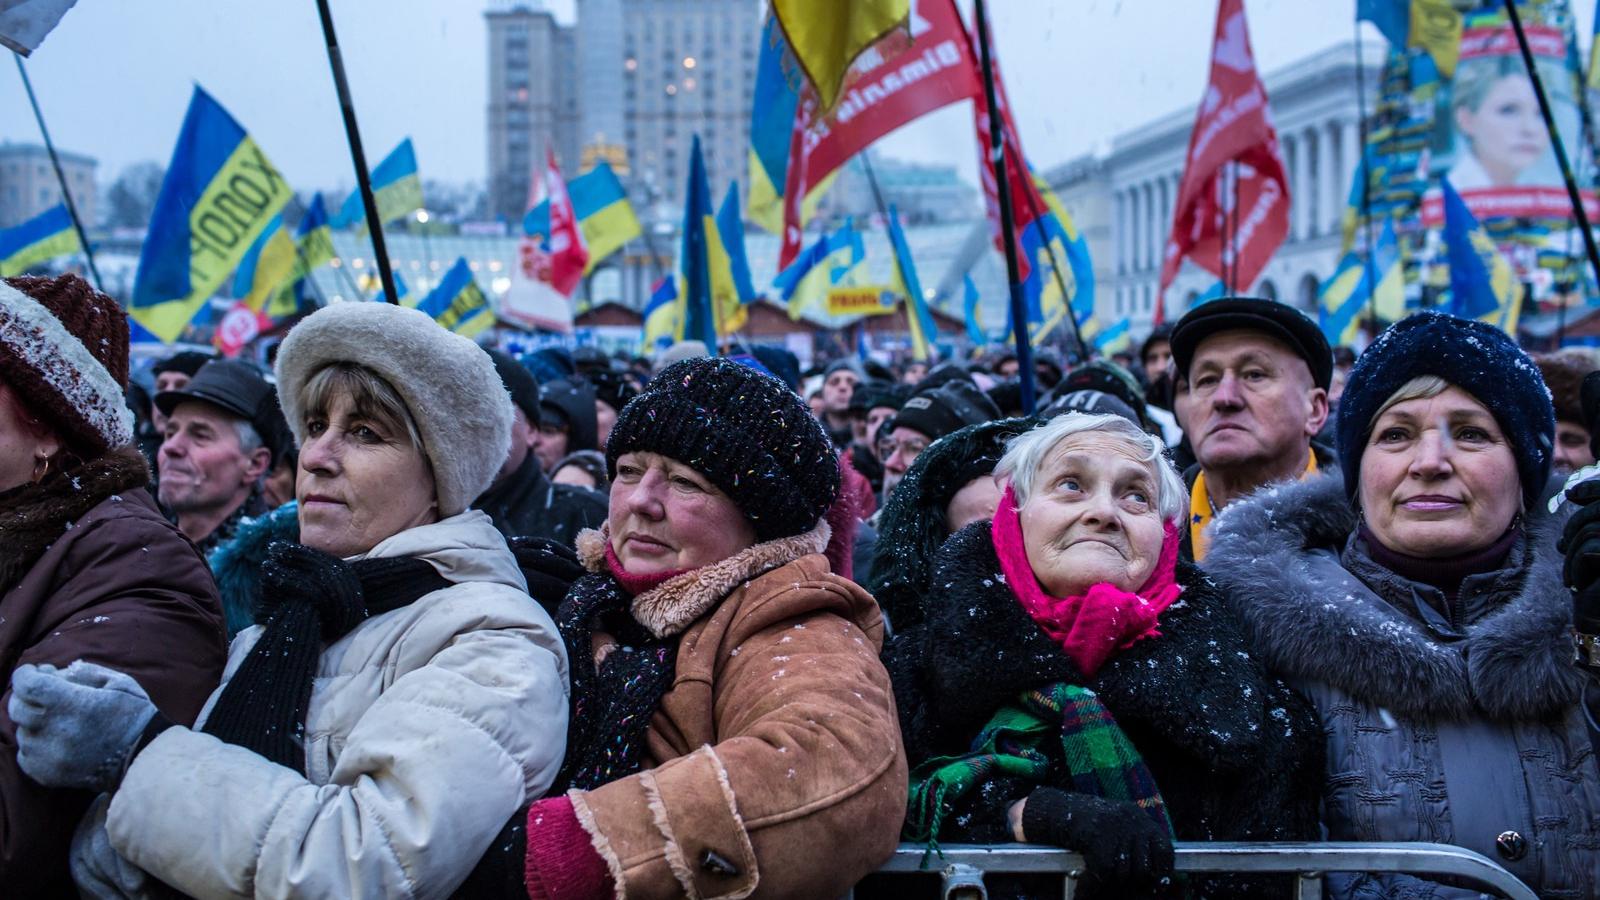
(1123, 199)
(28, 183)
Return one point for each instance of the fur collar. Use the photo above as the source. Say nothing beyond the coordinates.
(34, 515)
(672, 606)
(979, 649)
(1277, 555)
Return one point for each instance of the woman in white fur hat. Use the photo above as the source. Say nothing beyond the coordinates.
(402, 694)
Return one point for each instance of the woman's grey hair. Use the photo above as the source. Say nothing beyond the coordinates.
(1026, 452)
(1422, 387)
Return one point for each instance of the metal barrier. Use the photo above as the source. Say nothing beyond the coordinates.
(962, 867)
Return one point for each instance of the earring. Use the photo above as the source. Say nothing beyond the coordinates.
(41, 468)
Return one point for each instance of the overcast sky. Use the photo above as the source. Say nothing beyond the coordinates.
(115, 76)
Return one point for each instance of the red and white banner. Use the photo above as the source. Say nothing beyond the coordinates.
(1229, 220)
(891, 84)
(239, 326)
(568, 254)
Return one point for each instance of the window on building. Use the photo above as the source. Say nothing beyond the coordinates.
(1268, 290)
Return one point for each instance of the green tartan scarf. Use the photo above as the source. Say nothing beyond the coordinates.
(1100, 759)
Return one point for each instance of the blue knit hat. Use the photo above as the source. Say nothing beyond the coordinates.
(1474, 356)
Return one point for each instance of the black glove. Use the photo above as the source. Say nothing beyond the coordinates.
(550, 568)
(295, 572)
(1122, 847)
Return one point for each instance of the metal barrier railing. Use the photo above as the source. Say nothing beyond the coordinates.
(962, 867)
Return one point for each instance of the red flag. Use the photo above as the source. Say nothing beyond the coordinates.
(1026, 203)
(568, 254)
(891, 84)
(1229, 222)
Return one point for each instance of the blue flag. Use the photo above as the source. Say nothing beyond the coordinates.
(220, 193)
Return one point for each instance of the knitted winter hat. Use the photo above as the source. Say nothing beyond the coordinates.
(913, 523)
(570, 402)
(520, 384)
(448, 383)
(64, 353)
(949, 407)
(746, 432)
(1474, 356)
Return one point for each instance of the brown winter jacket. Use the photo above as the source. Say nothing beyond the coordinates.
(777, 747)
(119, 586)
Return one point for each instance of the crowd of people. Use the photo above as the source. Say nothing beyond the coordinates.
(408, 617)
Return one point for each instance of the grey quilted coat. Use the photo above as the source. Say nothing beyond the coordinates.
(1461, 729)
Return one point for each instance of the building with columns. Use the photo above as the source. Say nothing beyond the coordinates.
(1123, 199)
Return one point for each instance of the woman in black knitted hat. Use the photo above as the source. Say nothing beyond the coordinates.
(731, 722)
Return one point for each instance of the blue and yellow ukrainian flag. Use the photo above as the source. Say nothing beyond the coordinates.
(268, 263)
(1483, 285)
(663, 316)
(407, 298)
(730, 226)
(775, 98)
(220, 194)
(710, 298)
(313, 247)
(1348, 294)
(827, 35)
(969, 308)
(918, 320)
(1592, 77)
(1049, 239)
(1117, 338)
(46, 236)
(604, 213)
(822, 265)
(457, 302)
(396, 189)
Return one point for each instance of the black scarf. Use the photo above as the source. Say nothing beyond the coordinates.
(34, 515)
(612, 702)
(263, 708)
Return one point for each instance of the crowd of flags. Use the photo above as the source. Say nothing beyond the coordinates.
(222, 220)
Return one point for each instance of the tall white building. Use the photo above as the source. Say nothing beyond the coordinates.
(1123, 199)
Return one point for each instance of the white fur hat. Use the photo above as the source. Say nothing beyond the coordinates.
(449, 385)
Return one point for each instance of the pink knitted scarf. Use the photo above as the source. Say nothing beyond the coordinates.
(1093, 626)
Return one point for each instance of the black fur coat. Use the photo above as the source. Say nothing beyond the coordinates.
(1235, 752)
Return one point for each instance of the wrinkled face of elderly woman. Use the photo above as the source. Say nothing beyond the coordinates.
(1092, 516)
(1438, 478)
(363, 476)
(667, 517)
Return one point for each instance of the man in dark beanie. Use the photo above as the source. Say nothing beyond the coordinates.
(612, 391)
(522, 501)
(1251, 395)
(839, 382)
(567, 421)
(926, 417)
(174, 374)
(1563, 373)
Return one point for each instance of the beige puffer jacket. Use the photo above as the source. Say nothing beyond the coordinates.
(428, 727)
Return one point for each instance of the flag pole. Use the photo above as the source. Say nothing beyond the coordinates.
(61, 177)
(1019, 311)
(380, 252)
(1364, 221)
(1555, 139)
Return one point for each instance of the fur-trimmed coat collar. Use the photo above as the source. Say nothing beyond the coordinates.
(979, 649)
(670, 607)
(1287, 560)
(35, 514)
